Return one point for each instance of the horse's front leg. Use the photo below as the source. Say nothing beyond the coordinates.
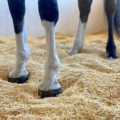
(84, 8)
(49, 87)
(19, 73)
(110, 8)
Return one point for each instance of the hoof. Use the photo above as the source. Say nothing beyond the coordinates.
(71, 52)
(110, 57)
(52, 93)
(20, 80)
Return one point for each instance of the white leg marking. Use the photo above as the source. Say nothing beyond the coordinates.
(22, 55)
(52, 62)
(79, 39)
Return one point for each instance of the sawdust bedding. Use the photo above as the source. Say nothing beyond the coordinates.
(90, 83)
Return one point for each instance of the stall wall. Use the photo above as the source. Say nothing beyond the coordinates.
(68, 19)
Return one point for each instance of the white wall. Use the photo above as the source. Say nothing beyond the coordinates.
(67, 23)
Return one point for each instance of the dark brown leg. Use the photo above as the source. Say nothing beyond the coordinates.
(84, 7)
(110, 8)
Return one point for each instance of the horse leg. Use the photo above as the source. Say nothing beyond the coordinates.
(84, 8)
(19, 73)
(110, 8)
(49, 87)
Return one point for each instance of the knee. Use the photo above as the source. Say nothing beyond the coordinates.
(110, 7)
(48, 10)
(17, 10)
(52, 64)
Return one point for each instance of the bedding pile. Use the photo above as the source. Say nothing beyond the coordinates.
(90, 83)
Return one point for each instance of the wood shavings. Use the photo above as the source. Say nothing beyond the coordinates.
(90, 83)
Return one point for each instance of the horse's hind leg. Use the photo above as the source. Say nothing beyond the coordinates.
(19, 73)
(110, 8)
(84, 8)
(49, 87)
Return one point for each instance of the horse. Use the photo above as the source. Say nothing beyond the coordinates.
(49, 15)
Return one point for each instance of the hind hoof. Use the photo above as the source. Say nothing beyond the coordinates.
(20, 80)
(111, 54)
(52, 93)
(110, 57)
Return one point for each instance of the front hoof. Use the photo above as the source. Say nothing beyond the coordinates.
(20, 80)
(52, 93)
